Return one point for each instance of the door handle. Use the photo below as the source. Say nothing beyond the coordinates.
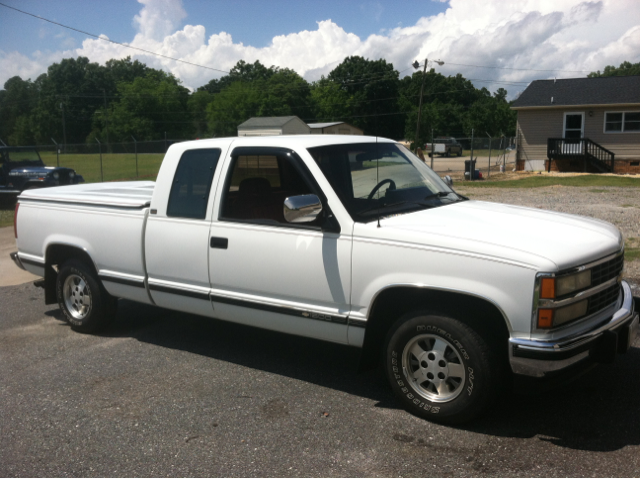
(221, 243)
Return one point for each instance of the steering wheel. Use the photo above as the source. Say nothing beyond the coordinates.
(392, 186)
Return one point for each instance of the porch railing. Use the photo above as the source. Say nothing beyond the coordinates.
(580, 148)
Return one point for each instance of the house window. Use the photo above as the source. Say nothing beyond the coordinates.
(622, 122)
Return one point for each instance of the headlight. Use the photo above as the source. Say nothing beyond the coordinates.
(574, 282)
(56, 175)
(552, 288)
(550, 318)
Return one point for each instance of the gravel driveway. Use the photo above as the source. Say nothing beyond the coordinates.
(620, 206)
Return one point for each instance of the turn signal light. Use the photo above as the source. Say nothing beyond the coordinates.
(548, 288)
(545, 318)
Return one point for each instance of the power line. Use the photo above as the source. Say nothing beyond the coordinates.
(519, 69)
(112, 41)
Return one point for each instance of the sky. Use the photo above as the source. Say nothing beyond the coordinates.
(495, 43)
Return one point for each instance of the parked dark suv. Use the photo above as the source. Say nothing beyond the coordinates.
(21, 168)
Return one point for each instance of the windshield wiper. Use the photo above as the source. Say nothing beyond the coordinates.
(373, 208)
(442, 194)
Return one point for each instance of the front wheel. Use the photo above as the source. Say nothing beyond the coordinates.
(85, 303)
(440, 368)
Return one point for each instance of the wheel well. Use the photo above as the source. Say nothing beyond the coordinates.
(56, 255)
(391, 304)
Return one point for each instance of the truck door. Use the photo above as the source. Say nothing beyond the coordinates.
(270, 273)
(177, 235)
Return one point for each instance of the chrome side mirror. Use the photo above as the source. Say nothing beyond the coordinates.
(448, 180)
(302, 209)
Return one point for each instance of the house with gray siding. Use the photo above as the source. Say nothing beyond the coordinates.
(580, 124)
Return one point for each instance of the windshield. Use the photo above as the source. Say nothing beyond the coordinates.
(21, 155)
(380, 179)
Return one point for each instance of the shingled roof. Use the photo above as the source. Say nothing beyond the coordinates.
(580, 91)
(267, 122)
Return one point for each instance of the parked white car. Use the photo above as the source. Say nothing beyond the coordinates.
(348, 239)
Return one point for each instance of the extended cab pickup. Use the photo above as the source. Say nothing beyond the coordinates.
(444, 146)
(347, 239)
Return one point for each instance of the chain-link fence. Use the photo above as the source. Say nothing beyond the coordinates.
(109, 162)
(452, 155)
(141, 160)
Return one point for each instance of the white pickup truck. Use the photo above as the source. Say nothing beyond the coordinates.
(348, 239)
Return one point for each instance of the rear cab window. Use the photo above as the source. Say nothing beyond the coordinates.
(191, 185)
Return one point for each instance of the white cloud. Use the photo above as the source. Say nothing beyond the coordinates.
(569, 35)
(159, 18)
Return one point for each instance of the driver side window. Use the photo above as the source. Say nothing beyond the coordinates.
(258, 183)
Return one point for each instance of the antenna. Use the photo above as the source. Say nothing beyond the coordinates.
(378, 177)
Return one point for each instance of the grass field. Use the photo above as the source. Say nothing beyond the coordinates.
(632, 249)
(115, 166)
(6, 218)
(541, 181)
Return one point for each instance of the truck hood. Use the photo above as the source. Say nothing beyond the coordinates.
(35, 170)
(527, 235)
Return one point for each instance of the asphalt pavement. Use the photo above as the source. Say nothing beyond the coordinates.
(10, 274)
(169, 394)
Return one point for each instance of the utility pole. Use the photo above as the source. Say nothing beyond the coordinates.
(424, 72)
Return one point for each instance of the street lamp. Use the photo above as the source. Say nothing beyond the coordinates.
(416, 65)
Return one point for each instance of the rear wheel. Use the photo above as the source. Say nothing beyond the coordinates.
(440, 368)
(85, 303)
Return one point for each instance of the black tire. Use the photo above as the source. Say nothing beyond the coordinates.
(85, 303)
(446, 153)
(460, 153)
(457, 374)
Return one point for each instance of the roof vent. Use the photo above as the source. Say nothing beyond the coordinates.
(551, 99)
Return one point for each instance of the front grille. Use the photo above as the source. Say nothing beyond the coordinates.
(64, 177)
(606, 271)
(603, 299)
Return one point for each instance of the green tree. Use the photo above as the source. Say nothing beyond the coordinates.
(254, 90)
(197, 106)
(232, 106)
(284, 93)
(372, 91)
(146, 108)
(625, 69)
(17, 101)
(243, 72)
(329, 101)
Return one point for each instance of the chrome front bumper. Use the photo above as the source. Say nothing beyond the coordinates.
(542, 358)
(16, 260)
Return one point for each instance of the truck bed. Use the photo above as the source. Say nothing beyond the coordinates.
(94, 217)
(126, 194)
